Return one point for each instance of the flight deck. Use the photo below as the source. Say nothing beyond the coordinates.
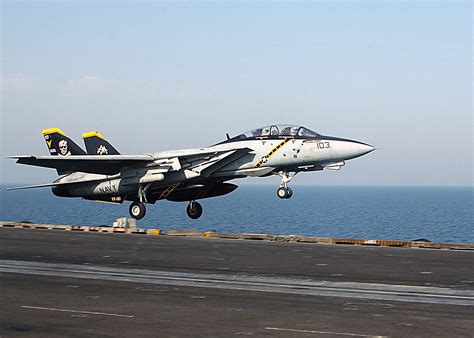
(77, 281)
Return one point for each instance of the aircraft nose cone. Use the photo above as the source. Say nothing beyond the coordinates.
(363, 148)
(350, 149)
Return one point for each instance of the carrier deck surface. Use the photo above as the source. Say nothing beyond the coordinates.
(75, 283)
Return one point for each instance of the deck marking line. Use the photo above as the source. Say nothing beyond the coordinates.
(211, 281)
(417, 294)
(75, 311)
(321, 332)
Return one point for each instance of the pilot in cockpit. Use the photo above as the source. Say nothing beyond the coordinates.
(286, 131)
(265, 131)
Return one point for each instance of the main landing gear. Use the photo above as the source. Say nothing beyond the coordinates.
(194, 210)
(284, 191)
(138, 208)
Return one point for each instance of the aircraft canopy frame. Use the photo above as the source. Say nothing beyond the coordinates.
(277, 131)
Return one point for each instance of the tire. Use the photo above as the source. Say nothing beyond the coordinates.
(282, 192)
(194, 210)
(289, 192)
(137, 210)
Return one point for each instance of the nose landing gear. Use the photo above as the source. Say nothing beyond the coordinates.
(194, 210)
(284, 191)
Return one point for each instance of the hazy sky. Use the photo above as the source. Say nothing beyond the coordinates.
(155, 76)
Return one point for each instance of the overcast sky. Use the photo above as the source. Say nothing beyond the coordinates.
(155, 76)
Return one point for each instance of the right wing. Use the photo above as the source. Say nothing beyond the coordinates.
(207, 164)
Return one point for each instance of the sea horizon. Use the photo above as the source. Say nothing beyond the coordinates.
(435, 213)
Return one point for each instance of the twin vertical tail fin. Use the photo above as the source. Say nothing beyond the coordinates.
(96, 144)
(59, 144)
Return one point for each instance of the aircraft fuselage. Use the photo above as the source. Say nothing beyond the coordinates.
(268, 156)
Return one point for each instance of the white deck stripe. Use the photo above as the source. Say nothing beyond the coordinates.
(402, 293)
(75, 311)
(321, 332)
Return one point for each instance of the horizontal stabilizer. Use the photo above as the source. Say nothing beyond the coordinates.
(71, 179)
(34, 186)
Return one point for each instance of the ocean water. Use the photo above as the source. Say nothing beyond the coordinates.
(441, 214)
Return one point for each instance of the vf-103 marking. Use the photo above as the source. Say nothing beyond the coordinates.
(103, 174)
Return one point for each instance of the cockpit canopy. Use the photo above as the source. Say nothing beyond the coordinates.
(277, 131)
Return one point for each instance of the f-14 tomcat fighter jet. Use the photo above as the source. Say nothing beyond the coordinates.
(102, 174)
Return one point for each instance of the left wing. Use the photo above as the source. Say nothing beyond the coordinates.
(203, 163)
(101, 164)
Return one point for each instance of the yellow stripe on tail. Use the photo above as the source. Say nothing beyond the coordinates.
(92, 134)
(52, 131)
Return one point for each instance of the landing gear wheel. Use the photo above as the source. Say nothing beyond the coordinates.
(194, 210)
(282, 192)
(137, 210)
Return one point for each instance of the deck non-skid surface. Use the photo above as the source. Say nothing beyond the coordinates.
(75, 284)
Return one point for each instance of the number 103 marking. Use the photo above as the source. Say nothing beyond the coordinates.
(323, 145)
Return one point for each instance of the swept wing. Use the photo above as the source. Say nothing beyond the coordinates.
(101, 164)
(205, 162)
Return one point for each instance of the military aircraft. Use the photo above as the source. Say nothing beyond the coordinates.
(103, 174)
